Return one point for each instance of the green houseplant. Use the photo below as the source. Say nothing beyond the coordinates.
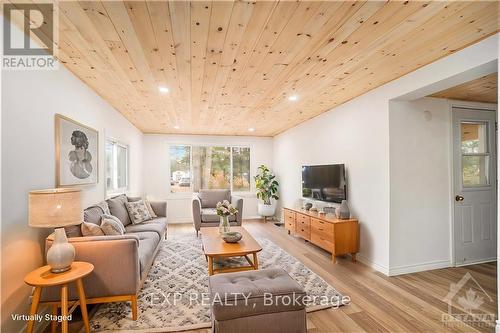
(267, 191)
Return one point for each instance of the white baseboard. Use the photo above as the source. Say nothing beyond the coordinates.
(497, 327)
(475, 262)
(406, 269)
(361, 258)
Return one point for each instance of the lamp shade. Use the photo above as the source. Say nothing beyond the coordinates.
(55, 208)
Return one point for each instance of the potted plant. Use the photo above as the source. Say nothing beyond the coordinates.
(267, 191)
(224, 210)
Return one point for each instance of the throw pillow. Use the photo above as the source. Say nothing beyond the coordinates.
(150, 209)
(91, 229)
(112, 226)
(116, 219)
(138, 211)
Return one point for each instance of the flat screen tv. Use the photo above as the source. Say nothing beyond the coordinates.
(324, 182)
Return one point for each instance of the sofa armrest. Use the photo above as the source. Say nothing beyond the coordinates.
(238, 203)
(159, 207)
(196, 208)
(116, 266)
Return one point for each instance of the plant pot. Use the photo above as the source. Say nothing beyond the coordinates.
(266, 210)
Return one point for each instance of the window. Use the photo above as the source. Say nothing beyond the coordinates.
(475, 154)
(116, 167)
(209, 167)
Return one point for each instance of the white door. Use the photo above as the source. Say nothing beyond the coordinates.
(475, 183)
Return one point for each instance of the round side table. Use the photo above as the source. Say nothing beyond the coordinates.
(43, 277)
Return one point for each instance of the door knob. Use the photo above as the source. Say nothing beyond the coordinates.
(459, 198)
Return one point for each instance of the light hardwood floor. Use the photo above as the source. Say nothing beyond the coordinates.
(407, 303)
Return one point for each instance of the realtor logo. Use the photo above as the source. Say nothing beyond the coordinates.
(29, 36)
(468, 304)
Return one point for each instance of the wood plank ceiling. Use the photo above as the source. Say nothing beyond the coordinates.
(483, 89)
(230, 66)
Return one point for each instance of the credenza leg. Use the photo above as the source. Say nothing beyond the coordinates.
(353, 255)
(334, 259)
(289, 232)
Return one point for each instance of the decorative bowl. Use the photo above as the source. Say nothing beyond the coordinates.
(231, 237)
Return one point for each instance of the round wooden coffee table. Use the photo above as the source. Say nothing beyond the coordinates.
(43, 277)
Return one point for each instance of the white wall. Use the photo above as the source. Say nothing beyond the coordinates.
(157, 169)
(357, 134)
(420, 169)
(29, 101)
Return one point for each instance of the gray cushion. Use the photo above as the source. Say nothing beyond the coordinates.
(274, 281)
(93, 214)
(158, 225)
(210, 198)
(118, 209)
(148, 241)
(112, 226)
(73, 231)
(210, 215)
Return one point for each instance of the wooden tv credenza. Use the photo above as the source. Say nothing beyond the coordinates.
(328, 232)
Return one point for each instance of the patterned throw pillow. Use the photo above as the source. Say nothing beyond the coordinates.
(111, 226)
(91, 229)
(150, 209)
(138, 211)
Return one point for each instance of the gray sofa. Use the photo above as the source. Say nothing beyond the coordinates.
(204, 213)
(121, 263)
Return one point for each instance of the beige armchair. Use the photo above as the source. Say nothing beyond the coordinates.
(204, 213)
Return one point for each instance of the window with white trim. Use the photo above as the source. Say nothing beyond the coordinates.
(209, 167)
(116, 167)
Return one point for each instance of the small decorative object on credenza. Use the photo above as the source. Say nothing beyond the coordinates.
(329, 210)
(343, 211)
(224, 210)
(56, 208)
(308, 206)
(313, 210)
(232, 237)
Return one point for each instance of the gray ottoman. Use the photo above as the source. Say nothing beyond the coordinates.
(257, 301)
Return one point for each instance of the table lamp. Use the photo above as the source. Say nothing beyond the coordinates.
(56, 208)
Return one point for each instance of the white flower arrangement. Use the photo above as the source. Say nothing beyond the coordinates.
(225, 208)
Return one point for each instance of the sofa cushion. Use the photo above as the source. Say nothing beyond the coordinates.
(158, 225)
(93, 214)
(148, 241)
(210, 198)
(254, 285)
(111, 226)
(210, 215)
(137, 211)
(118, 209)
(91, 229)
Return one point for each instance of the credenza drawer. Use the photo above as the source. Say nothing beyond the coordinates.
(322, 241)
(289, 220)
(303, 230)
(303, 219)
(322, 228)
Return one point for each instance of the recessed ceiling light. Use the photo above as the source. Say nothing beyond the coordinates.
(293, 98)
(177, 127)
(163, 89)
(251, 129)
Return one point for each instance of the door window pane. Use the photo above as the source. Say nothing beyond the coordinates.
(180, 166)
(241, 169)
(475, 170)
(474, 138)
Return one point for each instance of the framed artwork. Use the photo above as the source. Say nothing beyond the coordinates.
(77, 153)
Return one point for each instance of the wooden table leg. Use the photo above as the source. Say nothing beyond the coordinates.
(64, 308)
(53, 324)
(133, 305)
(210, 266)
(34, 308)
(255, 261)
(353, 255)
(83, 304)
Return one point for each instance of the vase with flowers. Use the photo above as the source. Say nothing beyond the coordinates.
(224, 210)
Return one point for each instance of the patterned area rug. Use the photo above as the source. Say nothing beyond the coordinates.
(175, 294)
